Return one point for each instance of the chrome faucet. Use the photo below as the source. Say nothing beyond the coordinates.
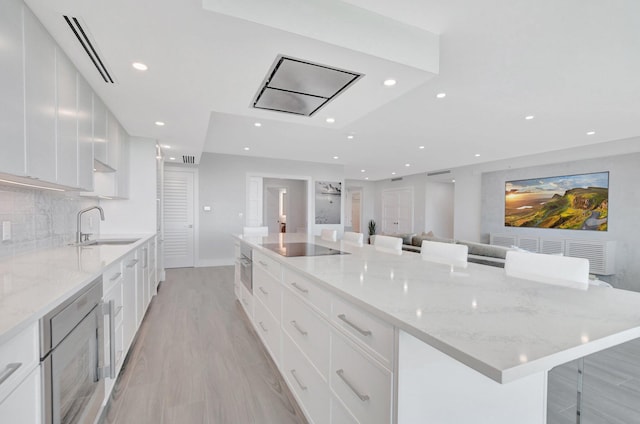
(79, 234)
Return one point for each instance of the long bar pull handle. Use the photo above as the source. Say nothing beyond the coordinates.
(264, 264)
(263, 327)
(115, 276)
(132, 263)
(263, 290)
(112, 339)
(343, 317)
(9, 370)
(297, 327)
(295, 376)
(362, 397)
(302, 289)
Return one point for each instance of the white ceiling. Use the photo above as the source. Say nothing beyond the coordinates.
(574, 65)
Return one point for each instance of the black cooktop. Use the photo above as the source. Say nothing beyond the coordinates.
(302, 249)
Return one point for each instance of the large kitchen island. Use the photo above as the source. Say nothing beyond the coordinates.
(367, 336)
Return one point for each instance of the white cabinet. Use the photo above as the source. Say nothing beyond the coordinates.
(85, 134)
(99, 130)
(268, 329)
(12, 159)
(113, 140)
(115, 346)
(123, 171)
(24, 404)
(140, 287)
(129, 298)
(40, 99)
(67, 116)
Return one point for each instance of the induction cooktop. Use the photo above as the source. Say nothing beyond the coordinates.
(302, 249)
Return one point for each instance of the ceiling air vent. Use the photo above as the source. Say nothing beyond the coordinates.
(300, 87)
(396, 179)
(431, 174)
(188, 159)
(88, 47)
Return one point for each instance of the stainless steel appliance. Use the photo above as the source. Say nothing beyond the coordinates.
(246, 267)
(72, 354)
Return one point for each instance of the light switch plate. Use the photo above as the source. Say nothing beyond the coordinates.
(207, 208)
(6, 230)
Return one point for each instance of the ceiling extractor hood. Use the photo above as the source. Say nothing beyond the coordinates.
(301, 87)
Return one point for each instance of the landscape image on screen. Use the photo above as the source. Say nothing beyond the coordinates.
(570, 202)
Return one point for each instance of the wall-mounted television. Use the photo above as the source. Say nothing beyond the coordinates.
(568, 202)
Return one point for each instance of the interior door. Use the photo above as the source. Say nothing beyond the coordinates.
(397, 211)
(178, 218)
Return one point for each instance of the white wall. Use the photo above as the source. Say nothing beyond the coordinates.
(222, 184)
(138, 214)
(438, 209)
(624, 207)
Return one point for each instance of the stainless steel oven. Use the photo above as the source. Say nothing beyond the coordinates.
(246, 266)
(72, 354)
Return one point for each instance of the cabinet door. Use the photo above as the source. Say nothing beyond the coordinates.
(129, 300)
(99, 130)
(12, 159)
(67, 114)
(24, 405)
(40, 99)
(113, 140)
(85, 134)
(122, 174)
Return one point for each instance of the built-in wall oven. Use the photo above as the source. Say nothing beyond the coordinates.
(72, 357)
(246, 267)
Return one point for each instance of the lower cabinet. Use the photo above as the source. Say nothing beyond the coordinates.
(24, 404)
(336, 358)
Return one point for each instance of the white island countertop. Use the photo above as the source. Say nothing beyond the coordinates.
(503, 327)
(32, 284)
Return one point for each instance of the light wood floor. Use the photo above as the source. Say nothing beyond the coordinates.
(611, 388)
(197, 360)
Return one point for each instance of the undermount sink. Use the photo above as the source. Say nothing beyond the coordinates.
(102, 242)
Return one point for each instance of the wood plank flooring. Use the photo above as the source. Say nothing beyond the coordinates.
(611, 388)
(196, 359)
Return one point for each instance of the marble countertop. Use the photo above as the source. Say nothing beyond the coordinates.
(503, 327)
(34, 283)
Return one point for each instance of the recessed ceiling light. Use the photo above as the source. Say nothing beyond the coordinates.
(407, 165)
(166, 146)
(140, 66)
(441, 95)
(389, 82)
(421, 147)
(172, 158)
(330, 120)
(477, 155)
(529, 117)
(591, 133)
(393, 173)
(160, 123)
(453, 181)
(350, 137)
(336, 157)
(362, 170)
(366, 178)
(158, 157)
(246, 148)
(257, 124)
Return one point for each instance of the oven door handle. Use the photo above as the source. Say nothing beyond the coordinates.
(110, 370)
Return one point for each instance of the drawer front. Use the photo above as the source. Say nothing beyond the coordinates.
(308, 330)
(269, 265)
(246, 300)
(308, 290)
(111, 276)
(363, 386)
(268, 290)
(268, 329)
(373, 333)
(311, 391)
(24, 405)
(340, 414)
(18, 357)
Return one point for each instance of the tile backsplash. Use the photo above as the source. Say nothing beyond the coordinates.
(42, 219)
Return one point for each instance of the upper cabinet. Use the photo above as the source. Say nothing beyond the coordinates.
(67, 115)
(52, 124)
(12, 159)
(85, 135)
(40, 99)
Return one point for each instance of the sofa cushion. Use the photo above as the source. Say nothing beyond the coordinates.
(417, 240)
(481, 249)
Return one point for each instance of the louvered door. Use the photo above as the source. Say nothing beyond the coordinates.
(178, 219)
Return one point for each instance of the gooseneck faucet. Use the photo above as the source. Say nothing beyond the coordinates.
(79, 233)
